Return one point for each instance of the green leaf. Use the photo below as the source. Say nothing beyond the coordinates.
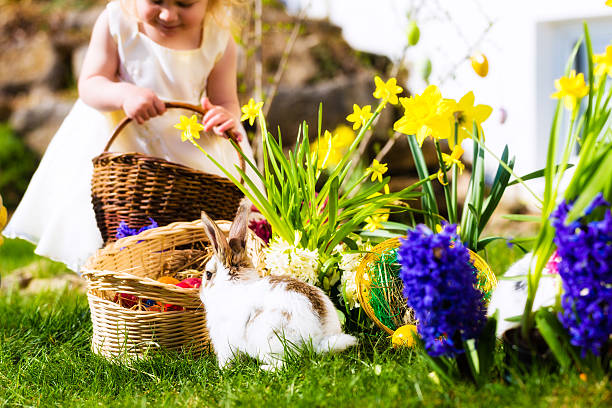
(482, 243)
(552, 331)
(332, 206)
(429, 198)
(536, 174)
(486, 347)
(522, 217)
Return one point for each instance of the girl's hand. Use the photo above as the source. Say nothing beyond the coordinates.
(142, 104)
(217, 118)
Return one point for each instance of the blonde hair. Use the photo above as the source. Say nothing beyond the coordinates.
(220, 10)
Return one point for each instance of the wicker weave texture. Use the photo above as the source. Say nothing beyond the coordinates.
(132, 187)
(131, 266)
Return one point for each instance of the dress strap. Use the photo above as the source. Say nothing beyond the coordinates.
(122, 25)
(214, 39)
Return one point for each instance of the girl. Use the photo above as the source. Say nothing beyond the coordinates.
(141, 53)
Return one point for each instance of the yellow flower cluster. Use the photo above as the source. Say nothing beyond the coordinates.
(430, 115)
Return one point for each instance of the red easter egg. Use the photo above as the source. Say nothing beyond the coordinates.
(190, 283)
(169, 308)
(126, 300)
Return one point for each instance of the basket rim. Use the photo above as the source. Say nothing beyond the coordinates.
(479, 263)
(167, 163)
(89, 271)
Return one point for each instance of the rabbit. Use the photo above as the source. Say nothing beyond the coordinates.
(510, 295)
(252, 314)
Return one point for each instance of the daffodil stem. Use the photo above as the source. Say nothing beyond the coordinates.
(447, 193)
(454, 180)
(507, 168)
(368, 131)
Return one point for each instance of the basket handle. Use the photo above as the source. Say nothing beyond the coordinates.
(179, 105)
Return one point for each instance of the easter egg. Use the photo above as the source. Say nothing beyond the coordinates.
(404, 336)
(480, 64)
(125, 299)
(190, 283)
(169, 308)
(168, 279)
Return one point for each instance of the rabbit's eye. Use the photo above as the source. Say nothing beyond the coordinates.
(208, 275)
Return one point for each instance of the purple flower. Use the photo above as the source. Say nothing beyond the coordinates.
(125, 231)
(585, 267)
(440, 286)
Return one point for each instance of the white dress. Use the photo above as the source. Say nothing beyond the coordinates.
(56, 212)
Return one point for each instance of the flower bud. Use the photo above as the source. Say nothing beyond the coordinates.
(413, 33)
(426, 70)
(480, 64)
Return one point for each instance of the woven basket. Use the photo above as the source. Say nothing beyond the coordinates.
(392, 288)
(132, 187)
(131, 266)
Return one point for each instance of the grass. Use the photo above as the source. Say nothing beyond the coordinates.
(45, 360)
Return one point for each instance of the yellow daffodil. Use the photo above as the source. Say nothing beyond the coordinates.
(449, 161)
(374, 222)
(360, 116)
(326, 152)
(382, 214)
(609, 3)
(480, 64)
(343, 136)
(439, 229)
(465, 113)
(425, 115)
(387, 91)
(453, 158)
(250, 111)
(190, 127)
(3, 218)
(377, 170)
(603, 61)
(571, 89)
(330, 149)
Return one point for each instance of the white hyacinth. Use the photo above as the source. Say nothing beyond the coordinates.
(349, 262)
(283, 258)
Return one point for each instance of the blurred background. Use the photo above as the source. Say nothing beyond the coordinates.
(298, 53)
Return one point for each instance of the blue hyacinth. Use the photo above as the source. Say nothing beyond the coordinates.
(585, 268)
(440, 285)
(124, 229)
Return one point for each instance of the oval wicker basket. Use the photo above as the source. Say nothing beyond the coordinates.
(402, 313)
(131, 266)
(134, 187)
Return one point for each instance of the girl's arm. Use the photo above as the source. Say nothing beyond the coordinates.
(99, 85)
(222, 101)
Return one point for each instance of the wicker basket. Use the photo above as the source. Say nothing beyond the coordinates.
(131, 266)
(391, 289)
(132, 187)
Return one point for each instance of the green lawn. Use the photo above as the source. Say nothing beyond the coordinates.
(45, 360)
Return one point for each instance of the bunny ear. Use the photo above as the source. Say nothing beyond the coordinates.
(238, 230)
(215, 236)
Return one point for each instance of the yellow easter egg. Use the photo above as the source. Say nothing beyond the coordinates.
(404, 336)
(480, 64)
(3, 216)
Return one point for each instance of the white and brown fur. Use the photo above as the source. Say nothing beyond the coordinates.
(260, 316)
